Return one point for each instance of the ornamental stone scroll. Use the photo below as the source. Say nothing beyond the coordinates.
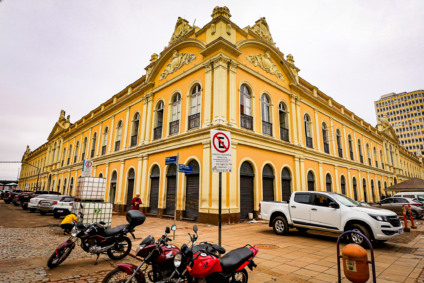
(264, 61)
(177, 61)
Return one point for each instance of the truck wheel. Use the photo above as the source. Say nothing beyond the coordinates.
(358, 239)
(32, 210)
(280, 225)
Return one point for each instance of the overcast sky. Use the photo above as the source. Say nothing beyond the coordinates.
(74, 55)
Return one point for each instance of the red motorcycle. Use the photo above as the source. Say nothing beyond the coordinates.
(159, 255)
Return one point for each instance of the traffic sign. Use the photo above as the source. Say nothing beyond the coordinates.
(222, 159)
(185, 168)
(87, 167)
(171, 160)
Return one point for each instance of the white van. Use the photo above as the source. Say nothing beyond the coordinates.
(417, 195)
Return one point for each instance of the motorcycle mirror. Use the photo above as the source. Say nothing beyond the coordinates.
(167, 230)
(195, 229)
(174, 227)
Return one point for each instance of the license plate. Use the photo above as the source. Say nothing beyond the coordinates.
(59, 210)
(400, 230)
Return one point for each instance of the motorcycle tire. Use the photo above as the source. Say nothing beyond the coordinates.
(118, 275)
(123, 247)
(32, 210)
(240, 277)
(56, 259)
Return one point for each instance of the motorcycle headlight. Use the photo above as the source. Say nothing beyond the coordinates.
(379, 217)
(74, 232)
(177, 260)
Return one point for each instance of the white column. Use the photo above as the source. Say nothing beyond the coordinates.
(206, 175)
(234, 187)
(107, 183)
(125, 138)
(220, 90)
(143, 123)
(233, 94)
(111, 134)
(336, 172)
(99, 141)
(121, 178)
(318, 128)
(303, 174)
(294, 126)
(149, 117)
(297, 183)
(207, 106)
(332, 136)
(321, 178)
(349, 183)
(139, 177)
(346, 143)
(144, 180)
(299, 123)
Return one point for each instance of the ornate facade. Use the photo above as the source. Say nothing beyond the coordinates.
(286, 134)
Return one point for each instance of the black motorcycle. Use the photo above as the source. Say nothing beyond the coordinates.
(96, 239)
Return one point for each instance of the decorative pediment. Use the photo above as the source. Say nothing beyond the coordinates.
(265, 62)
(261, 28)
(182, 27)
(384, 127)
(177, 61)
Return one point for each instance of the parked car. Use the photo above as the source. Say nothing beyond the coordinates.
(33, 203)
(330, 212)
(417, 195)
(63, 206)
(11, 195)
(46, 205)
(395, 204)
(25, 198)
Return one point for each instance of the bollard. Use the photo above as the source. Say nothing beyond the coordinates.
(412, 218)
(406, 229)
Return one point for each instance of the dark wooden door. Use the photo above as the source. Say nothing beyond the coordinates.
(192, 192)
(246, 190)
(268, 183)
(154, 194)
(285, 184)
(130, 193)
(171, 178)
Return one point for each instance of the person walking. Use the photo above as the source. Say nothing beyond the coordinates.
(67, 225)
(136, 201)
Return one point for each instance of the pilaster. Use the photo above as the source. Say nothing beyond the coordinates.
(144, 181)
(207, 106)
(112, 133)
(303, 174)
(294, 129)
(121, 179)
(321, 178)
(317, 127)
(332, 135)
(220, 90)
(143, 123)
(206, 175)
(299, 124)
(127, 121)
(232, 93)
(149, 98)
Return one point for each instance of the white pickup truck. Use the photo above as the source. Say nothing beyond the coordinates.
(330, 212)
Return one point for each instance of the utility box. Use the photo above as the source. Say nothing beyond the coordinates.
(90, 189)
(94, 212)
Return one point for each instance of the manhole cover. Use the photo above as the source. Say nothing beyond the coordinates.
(266, 246)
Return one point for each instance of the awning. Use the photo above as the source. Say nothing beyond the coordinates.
(411, 185)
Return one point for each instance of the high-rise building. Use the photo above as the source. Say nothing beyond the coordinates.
(405, 113)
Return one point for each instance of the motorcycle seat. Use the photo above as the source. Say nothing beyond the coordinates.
(116, 230)
(235, 258)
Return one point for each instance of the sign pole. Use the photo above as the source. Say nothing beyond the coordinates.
(176, 195)
(220, 209)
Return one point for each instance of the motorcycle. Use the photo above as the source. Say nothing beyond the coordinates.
(159, 255)
(95, 239)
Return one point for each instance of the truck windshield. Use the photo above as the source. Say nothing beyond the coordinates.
(345, 200)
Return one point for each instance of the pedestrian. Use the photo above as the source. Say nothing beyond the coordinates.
(136, 201)
(67, 225)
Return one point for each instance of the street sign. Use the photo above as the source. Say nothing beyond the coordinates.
(87, 167)
(222, 159)
(185, 168)
(171, 160)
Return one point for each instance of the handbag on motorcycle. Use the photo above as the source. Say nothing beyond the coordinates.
(135, 217)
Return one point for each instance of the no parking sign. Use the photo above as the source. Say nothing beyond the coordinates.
(222, 159)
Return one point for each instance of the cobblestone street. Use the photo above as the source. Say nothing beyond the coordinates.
(309, 257)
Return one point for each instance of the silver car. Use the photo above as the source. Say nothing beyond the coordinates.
(396, 203)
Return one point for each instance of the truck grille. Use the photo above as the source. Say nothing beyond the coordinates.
(394, 220)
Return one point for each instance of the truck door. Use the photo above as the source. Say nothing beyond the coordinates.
(300, 208)
(322, 215)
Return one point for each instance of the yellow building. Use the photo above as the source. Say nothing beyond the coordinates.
(405, 113)
(286, 134)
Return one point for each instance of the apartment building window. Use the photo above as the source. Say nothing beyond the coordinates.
(134, 129)
(284, 126)
(93, 145)
(105, 137)
(157, 132)
(174, 125)
(195, 107)
(325, 138)
(246, 119)
(266, 115)
(308, 131)
(118, 135)
(339, 143)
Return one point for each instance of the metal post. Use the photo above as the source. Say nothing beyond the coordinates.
(220, 209)
(176, 195)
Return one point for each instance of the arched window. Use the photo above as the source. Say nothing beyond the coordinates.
(308, 131)
(118, 135)
(364, 186)
(311, 181)
(395, 181)
(105, 137)
(328, 182)
(350, 147)
(339, 143)
(69, 155)
(134, 129)
(195, 107)
(343, 184)
(286, 184)
(54, 153)
(63, 157)
(361, 158)
(71, 186)
(93, 145)
(325, 138)
(382, 160)
(284, 125)
(391, 155)
(376, 157)
(372, 191)
(84, 148)
(174, 125)
(100, 175)
(58, 186)
(112, 190)
(246, 119)
(266, 115)
(355, 188)
(64, 187)
(379, 189)
(157, 132)
(268, 183)
(76, 152)
(368, 154)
